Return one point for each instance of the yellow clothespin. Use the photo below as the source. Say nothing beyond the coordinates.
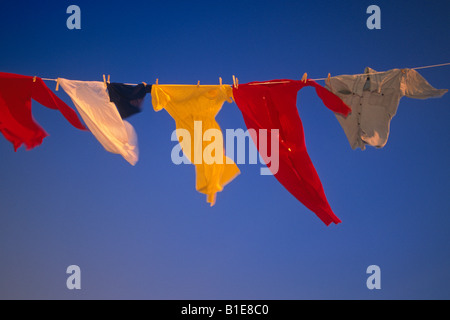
(305, 77)
(34, 79)
(57, 84)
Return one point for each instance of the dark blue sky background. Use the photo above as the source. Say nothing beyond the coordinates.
(144, 232)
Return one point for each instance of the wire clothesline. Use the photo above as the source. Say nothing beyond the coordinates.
(378, 72)
(318, 79)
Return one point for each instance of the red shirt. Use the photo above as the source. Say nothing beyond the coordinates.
(16, 121)
(273, 105)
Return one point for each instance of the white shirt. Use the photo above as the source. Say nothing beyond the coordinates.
(374, 101)
(102, 117)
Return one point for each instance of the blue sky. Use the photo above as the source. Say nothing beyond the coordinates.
(144, 232)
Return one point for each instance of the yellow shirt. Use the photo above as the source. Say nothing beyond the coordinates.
(194, 109)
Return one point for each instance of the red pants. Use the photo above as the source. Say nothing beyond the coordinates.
(273, 105)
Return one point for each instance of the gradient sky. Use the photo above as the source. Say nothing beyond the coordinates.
(144, 232)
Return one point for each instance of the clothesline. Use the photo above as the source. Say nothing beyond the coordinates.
(318, 79)
(104, 106)
(379, 72)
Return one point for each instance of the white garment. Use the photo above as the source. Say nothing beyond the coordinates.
(101, 116)
(374, 101)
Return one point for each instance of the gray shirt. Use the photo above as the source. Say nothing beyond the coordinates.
(374, 99)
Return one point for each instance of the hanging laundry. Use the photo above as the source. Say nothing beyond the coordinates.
(273, 105)
(194, 109)
(16, 120)
(128, 98)
(102, 117)
(374, 100)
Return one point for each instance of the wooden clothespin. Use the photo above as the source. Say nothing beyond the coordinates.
(220, 81)
(305, 77)
(198, 84)
(57, 84)
(109, 77)
(234, 81)
(104, 81)
(34, 79)
(156, 81)
(237, 83)
(329, 77)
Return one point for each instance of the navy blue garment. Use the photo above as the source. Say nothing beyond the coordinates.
(128, 98)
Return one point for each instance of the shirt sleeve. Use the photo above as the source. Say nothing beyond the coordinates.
(42, 94)
(413, 85)
(330, 100)
(160, 99)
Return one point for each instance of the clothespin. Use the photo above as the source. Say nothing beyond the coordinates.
(144, 83)
(109, 78)
(328, 80)
(234, 81)
(34, 79)
(104, 81)
(156, 81)
(305, 77)
(403, 71)
(220, 81)
(198, 83)
(57, 84)
(237, 83)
